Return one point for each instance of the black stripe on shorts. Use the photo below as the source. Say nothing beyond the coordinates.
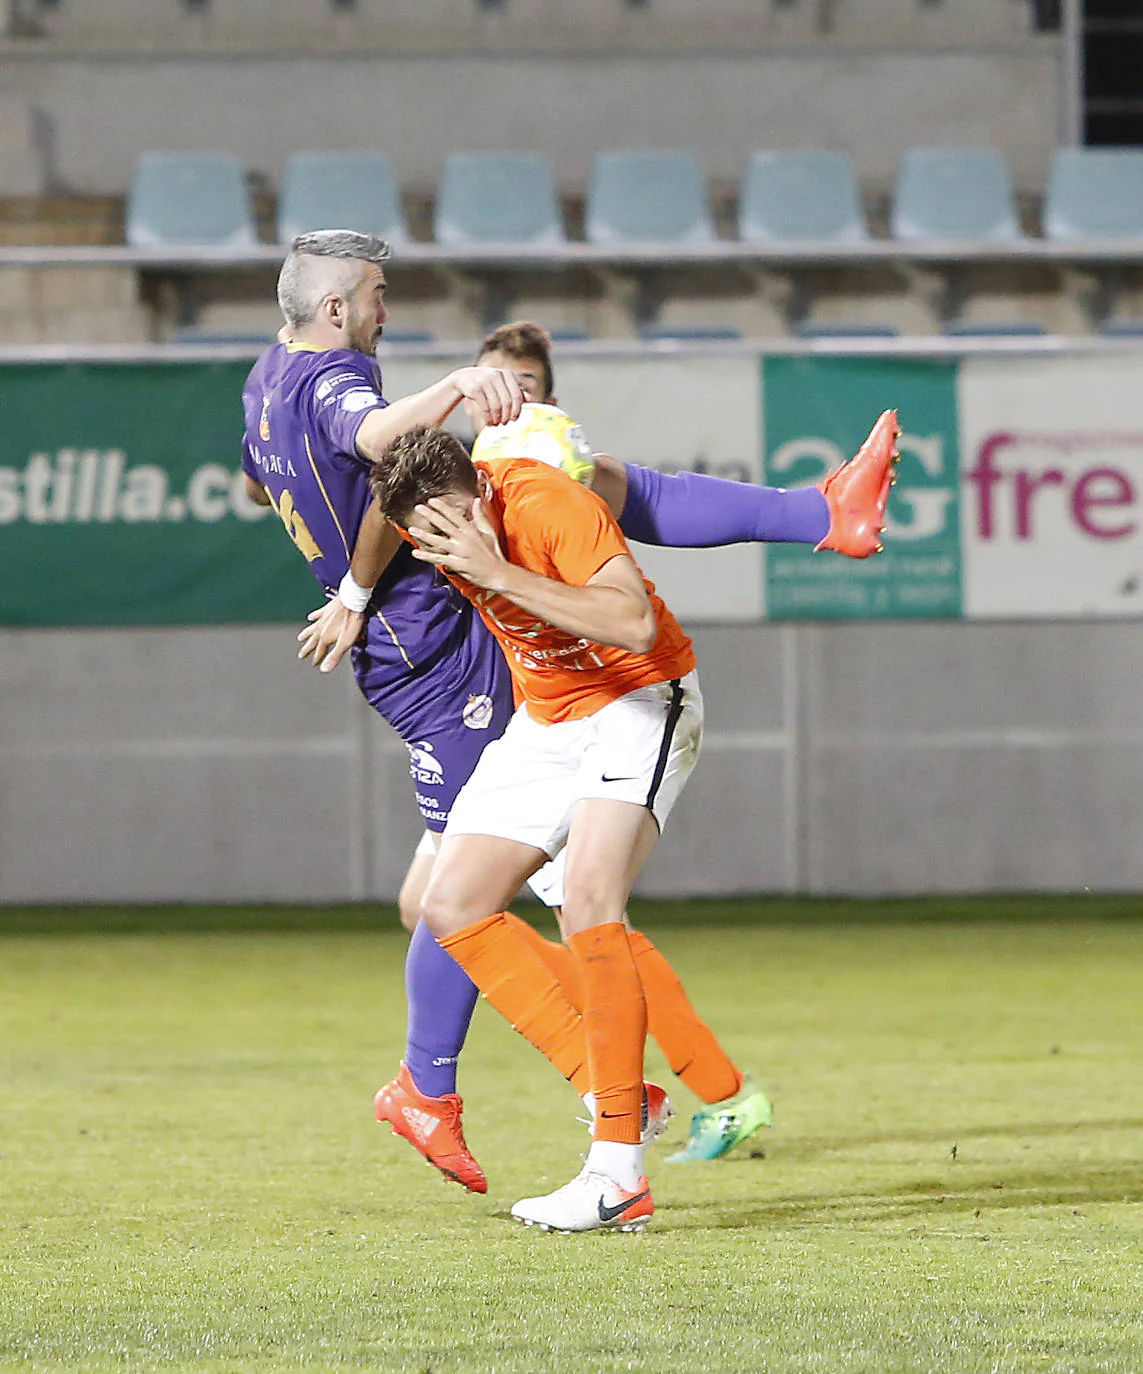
(674, 711)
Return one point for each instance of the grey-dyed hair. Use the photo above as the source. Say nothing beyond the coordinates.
(302, 284)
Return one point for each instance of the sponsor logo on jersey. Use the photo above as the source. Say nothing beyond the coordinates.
(354, 401)
(264, 422)
(424, 766)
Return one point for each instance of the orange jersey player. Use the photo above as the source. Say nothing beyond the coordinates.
(606, 733)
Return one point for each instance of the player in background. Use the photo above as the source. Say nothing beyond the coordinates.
(315, 414)
(607, 731)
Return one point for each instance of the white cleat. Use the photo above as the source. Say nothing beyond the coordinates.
(590, 1202)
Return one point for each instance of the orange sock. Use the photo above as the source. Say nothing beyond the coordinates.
(692, 1051)
(522, 988)
(558, 958)
(615, 1027)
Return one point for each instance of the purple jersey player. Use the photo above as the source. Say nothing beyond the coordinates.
(315, 421)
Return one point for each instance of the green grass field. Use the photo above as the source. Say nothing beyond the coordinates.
(190, 1176)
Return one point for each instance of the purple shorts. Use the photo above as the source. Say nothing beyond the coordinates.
(446, 714)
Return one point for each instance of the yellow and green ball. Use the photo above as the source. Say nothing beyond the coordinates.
(544, 433)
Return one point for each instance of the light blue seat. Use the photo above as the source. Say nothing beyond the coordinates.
(804, 195)
(340, 191)
(666, 333)
(846, 331)
(954, 194)
(498, 198)
(1015, 329)
(1095, 193)
(647, 197)
(189, 198)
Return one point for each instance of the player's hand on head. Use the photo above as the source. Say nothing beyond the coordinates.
(333, 629)
(496, 393)
(462, 543)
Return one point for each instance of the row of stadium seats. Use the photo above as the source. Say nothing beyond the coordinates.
(806, 196)
(440, 24)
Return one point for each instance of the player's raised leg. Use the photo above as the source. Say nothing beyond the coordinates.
(858, 491)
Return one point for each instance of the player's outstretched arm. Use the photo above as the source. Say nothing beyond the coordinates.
(336, 626)
(496, 393)
(611, 608)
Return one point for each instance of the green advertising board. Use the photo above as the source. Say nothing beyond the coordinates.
(122, 501)
(815, 414)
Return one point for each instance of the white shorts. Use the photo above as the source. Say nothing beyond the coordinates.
(639, 749)
(547, 883)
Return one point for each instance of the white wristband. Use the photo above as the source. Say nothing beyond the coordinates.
(351, 595)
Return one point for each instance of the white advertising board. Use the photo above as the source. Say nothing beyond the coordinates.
(1052, 486)
(669, 413)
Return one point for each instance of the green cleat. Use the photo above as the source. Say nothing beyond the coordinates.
(717, 1129)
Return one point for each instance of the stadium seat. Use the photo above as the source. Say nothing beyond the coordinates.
(185, 198)
(648, 197)
(954, 194)
(846, 331)
(498, 198)
(804, 195)
(660, 333)
(1095, 193)
(1014, 329)
(340, 191)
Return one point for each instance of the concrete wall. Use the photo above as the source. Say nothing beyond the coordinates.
(103, 113)
(210, 765)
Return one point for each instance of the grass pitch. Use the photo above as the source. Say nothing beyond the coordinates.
(190, 1177)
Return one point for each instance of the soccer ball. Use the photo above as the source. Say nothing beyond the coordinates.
(544, 433)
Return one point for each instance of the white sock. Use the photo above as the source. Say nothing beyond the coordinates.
(589, 1103)
(623, 1163)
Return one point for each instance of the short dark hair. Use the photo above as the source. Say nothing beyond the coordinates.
(526, 342)
(421, 463)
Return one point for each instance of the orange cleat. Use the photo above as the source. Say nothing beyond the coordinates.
(857, 492)
(657, 1112)
(432, 1126)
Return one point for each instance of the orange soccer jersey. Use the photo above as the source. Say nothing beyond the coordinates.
(559, 529)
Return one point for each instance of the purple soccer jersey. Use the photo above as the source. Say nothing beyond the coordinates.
(427, 664)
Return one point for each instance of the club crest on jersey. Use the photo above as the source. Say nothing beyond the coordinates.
(477, 713)
(264, 422)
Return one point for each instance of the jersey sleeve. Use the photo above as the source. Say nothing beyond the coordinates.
(341, 399)
(248, 465)
(577, 532)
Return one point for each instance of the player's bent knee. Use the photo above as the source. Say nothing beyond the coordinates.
(444, 912)
(410, 914)
(587, 905)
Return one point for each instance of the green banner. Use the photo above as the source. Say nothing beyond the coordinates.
(816, 412)
(122, 501)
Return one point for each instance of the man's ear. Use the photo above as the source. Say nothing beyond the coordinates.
(483, 485)
(334, 307)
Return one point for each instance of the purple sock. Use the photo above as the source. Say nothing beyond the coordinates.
(441, 999)
(689, 510)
